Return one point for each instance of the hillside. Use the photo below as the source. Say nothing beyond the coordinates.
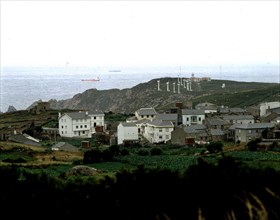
(147, 95)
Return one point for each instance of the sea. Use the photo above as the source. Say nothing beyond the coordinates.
(21, 86)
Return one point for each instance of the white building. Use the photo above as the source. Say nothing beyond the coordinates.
(157, 131)
(268, 105)
(80, 124)
(127, 132)
(145, 113)
(193, 116)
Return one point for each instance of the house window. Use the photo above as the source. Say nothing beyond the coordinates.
(199, 118)
(65, 126)
(142, 116)
(239, 130)
(250, 131)
(62, 132)
(77, 126)
(167, 137)
(193, 118)
(94, 117)
(160, 137)
(188, 118)
(81, 126)
(83, 132)
(62, 126)
(166, 129)
(85, 126)
(160, 130)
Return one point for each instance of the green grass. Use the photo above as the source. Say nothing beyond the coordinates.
(112, 166)
(52, 170)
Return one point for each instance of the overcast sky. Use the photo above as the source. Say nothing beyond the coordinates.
(139, 33)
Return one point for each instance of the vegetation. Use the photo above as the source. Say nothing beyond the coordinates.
(226, 190)
(234, 95)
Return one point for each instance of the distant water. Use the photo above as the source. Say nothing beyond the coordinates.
(20, 87)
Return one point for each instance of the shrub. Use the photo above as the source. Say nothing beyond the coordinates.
(124, 152)
(156, 151)
(215, 147)
(92, 156)
(143, 152)
(115, 150)
(253, 145)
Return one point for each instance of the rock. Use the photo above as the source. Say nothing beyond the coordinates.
(81, 170)
(11, 109)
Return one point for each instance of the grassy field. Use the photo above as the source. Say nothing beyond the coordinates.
(55, 163)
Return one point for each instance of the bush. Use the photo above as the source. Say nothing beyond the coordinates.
(143, 152)
(115, 150)
(156, 151)
(215, 147)
(92, 156)
(124, 152)
(253, 145)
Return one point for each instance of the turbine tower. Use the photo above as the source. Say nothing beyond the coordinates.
(167, 87)
(158, 85)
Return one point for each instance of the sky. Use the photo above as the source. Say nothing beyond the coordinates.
(139, 33)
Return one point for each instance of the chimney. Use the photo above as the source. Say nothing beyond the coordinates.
(59, 114)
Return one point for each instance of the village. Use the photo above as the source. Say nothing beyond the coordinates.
(180, 125)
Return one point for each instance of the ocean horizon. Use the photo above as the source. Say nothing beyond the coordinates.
(21, 86)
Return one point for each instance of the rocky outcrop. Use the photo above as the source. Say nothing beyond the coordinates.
(125, 100)
(11, 109)
(154, 94)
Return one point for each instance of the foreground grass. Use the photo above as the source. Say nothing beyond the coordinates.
(55, 163)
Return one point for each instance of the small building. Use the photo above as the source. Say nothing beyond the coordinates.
(85, 144)
(264, 107)
(232, 111)
(40, 107)
(217, 134)
(193, 117)
(24, 139)
(248, 132)
(168, 117)
(183, 135)
(216, 123)
(145, 113)
(158, 131)
(63, 146)
(80, 124)
(127, 132)
(239, 119)
(209, 108)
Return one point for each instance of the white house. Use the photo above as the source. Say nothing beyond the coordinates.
(127, 132)
(80, 124)
(157, 131)
(268, 105)
(145, 113)
(193, 116)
